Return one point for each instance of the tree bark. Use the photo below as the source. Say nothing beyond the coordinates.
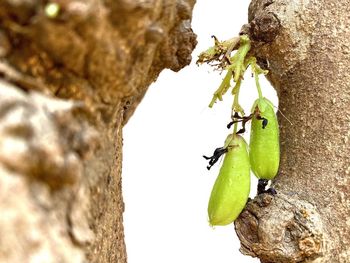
(306, 47)
(69, 81)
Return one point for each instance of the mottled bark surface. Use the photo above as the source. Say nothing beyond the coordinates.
(68, 84)
(306, 45)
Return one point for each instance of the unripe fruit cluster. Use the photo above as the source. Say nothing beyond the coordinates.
(232, 186)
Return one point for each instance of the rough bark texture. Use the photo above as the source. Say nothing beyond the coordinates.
(306, 45)
(60, 159)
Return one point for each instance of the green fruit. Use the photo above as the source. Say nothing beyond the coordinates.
(264, 148)
(231, 189)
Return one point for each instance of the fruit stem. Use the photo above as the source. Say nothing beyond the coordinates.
(235, 126)
(236, 107)
(256, 71)
(258, 85)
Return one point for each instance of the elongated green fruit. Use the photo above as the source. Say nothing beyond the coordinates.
(232, 186)
(264, 148)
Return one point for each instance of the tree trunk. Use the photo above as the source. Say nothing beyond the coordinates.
(60, 158)
(307, 50)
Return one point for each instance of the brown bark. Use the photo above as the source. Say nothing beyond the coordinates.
(308, 52)
(60, 161)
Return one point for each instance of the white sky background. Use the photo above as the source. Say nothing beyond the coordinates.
(166, 185)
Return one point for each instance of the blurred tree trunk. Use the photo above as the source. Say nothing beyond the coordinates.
(71, 74)
(306, 46)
